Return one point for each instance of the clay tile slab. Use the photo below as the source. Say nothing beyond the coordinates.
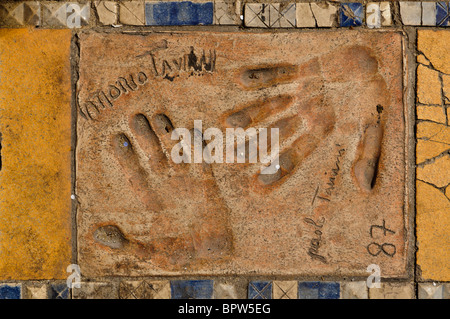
(334, 204)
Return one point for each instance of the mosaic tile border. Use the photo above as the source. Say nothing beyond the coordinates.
(150, 288)
(318, 14)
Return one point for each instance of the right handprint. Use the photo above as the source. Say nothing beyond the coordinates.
(312, 118)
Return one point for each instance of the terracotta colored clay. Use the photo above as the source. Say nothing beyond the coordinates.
(335, 205)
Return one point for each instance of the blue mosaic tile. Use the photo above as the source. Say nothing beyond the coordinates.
(351, 14)
(318, 290)
(10, 291)
(191, 289)
(442, 14)
(329, 290)
(59, 291)
(179, 13)
(260, 290)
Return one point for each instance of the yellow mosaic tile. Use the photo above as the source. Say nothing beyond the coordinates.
(426, 150)
(422, 60)
(431, 113)
(434, 45)
(433, 174)
(433, 241)
(35, 123)
(436, 173)
(428, 86)
(429, 131)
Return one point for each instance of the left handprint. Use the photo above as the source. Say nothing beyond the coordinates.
(191, 225)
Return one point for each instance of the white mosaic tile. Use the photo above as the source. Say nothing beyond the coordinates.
(411, 12)
(393, 291)
(225, 291)
(68, 14)
(354, 290)
(144, 289)
(96, 290)
(304, 16)
(285, 289)
(378, 14)
(37, 291)
(20, 14)
(106, 11)
(324, 13)
(430, 291)
(224, 13)
(276, 15)
(132, 12)
(386, 15)
(428, 13)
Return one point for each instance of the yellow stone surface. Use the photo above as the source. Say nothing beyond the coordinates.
(430, 199)
(428, 86)
(446, 88)
(431, 113)
(433, 240)
(433, 132)
(428, 149)
(436, 173)
(35, 123)
(433, 204)
(434, 45)
(422, 59)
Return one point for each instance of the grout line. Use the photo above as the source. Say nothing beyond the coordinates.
(75, 56)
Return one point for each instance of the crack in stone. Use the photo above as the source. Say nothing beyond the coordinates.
(441, 189)
(429, 121)
(425, 104)
(444, 109)
(444, 98)
(441, 81)
(124, 6)
(431, 66)
(312, 12)
(428, 139)
(104, 5)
